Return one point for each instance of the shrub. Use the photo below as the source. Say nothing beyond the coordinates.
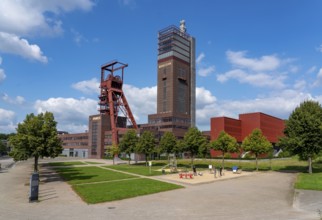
(248, 156)
(227, 155)
(284, 154)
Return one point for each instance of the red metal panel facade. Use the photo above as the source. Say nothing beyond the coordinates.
(229, 125)
(272, 127)
(250, 121)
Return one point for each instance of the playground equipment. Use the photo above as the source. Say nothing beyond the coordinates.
(172, 164)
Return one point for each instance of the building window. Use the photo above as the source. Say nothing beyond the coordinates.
(164, 101)
(181, 98)
(94, 136)
(182, 74)
(164, 73)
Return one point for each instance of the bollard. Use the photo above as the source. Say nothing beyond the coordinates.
(34, 187)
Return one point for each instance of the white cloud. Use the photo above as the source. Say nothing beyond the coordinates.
(311, 70)
(87, 86)
(200, 58)
(72, 114)
(300, 85)
(318, 80)
(203, 69)
(128, 3)
(10, 43)
(319, 48)
(257, 79)
(18, 100)
(279, 104)
(2, 75)
(24, 17)
(69, 112)
(206, 71)
(6, 116)
(293, 69)
(203, 97)
(265, 63)
(78, 37)
(142, 101)
(7, 121)
(33, 17)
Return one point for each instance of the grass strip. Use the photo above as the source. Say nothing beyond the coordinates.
(66, 163)
(110, 191)
(137, 169)
(309, 181)
(286, 164)
(76, 175)
(90, 162)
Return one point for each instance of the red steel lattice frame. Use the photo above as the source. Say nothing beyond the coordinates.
(112, 98)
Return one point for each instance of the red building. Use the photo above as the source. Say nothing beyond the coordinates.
(271, 127)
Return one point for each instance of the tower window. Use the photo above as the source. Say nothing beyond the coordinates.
(164, 73)
(182, 74)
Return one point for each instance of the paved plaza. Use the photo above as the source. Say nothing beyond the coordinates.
(267, 195)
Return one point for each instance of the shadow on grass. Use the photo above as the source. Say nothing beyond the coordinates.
(76, 176)
(146, 164)
(49, 176)
(300, 169)
(72, 174)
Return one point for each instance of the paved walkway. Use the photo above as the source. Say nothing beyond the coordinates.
(266, 195)
(6, 162)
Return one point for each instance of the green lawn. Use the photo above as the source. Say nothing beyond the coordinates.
(249, 165)
(309, 181)
(286, 164)
(90, 162)
(66, 163)
(138, 169)
(77, 175)
(95, 184)
(110, 191)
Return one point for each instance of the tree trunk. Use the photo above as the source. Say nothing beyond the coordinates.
(146, 159)
(191, 161)
(129, 158)
(223, 160)
(256, 163)
(310, 165)
(36, 164)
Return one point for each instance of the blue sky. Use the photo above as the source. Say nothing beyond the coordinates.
(252, 55)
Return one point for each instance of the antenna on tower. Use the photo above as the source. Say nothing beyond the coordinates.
(183, 26)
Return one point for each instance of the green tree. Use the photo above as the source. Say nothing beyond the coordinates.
(168, 143)
(113, 150)
(128, 143)
(204, 150)
(193, 141)
(226, 144)
(146, 144)
(257, 143)
(36, 137)
(179, 147)
(3, 148)
(303, 132)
